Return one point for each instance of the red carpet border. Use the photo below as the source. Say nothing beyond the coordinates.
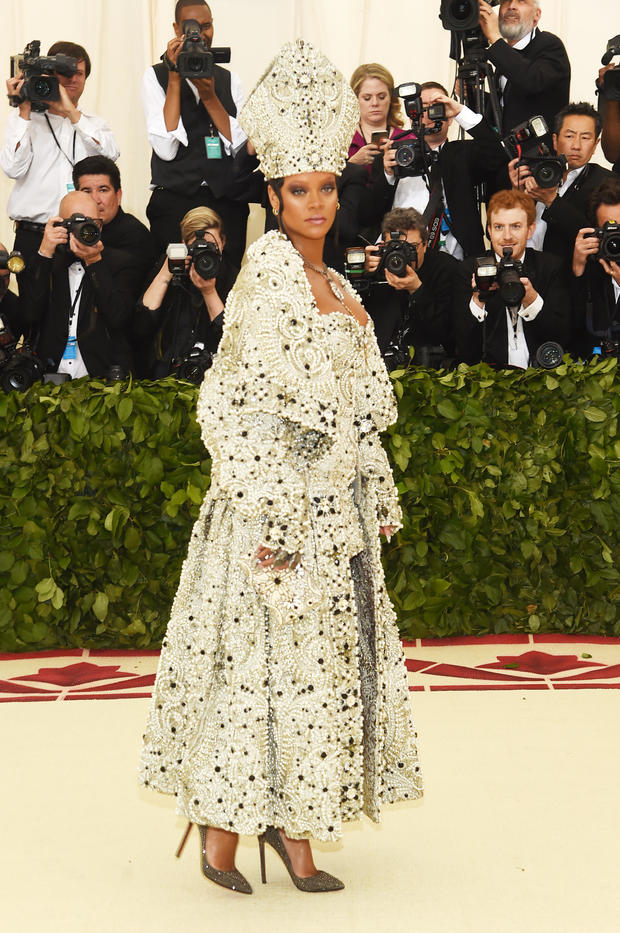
(508, 662)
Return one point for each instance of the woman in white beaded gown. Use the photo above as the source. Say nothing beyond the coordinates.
(281, 704)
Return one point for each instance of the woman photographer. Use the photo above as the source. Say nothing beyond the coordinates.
(380, 112)
(181, 313)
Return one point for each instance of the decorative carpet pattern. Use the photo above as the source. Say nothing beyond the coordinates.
(509, 662)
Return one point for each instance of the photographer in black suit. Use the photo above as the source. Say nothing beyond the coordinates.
(532, 69)
(413, 309)
(77, 299)
(597, 280)
(561, 211)
(487, 328)
(461, 165)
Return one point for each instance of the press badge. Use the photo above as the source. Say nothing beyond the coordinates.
(71, 349)
(214, 147)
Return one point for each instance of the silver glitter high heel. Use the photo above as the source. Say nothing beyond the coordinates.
(320, 881)
(233, 880)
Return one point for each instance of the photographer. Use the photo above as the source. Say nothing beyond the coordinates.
(609, 107)
(448, 202)
(596, 267)
(561, 210)
(76, 297)
(179, 311)
(100, 177)
(504, 323)
(192, 127)
(414, 308)
(40, 149)
(532, 70)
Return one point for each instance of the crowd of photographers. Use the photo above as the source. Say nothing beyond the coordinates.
(101, 295)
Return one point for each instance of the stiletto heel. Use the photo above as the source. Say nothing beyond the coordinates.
(233, 880)
(261, 849)
(321, 881)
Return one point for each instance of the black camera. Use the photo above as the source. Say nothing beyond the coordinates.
(13, 261)
(506, 273)
(611, 79)
(461, 15)
(19, 369)
(84, 229)
(41, 86)
(397, 254)
(204, 255)
(414, 157)
(549, 355)
(609, 241)
(530, 143)
(192, 367)
(196, 59)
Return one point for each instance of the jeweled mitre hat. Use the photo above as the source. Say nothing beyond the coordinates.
(302, 114)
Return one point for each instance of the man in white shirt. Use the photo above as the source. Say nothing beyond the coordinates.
(561, 210)
(488, 329)
(461, 165)
(40, 149)
(194, 133)
(77, 298)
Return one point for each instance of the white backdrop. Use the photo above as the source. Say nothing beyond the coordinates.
(123, 37)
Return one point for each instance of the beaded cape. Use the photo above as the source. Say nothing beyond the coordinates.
(281, 696)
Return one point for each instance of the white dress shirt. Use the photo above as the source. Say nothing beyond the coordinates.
(41, 169)
(165, 142)
(72, 362)
(412, 192)
(538, 237)
(518, 353)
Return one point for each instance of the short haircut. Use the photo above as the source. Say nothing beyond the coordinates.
(582, 109)
(184, 3)
(513, 198)
(97, 165)
(375, 70)
(429, 85)
(73, 49)
(608, 192)
(405, 218)
(201, 218)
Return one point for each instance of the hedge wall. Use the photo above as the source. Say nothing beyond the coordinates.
(509, 482)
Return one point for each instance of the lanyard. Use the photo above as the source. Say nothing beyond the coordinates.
(72, 160)
(76, 302)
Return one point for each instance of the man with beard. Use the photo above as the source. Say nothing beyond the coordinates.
(532, 70)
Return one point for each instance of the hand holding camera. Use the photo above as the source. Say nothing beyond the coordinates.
(602, 243)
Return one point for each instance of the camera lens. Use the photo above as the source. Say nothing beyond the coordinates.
(549, 355)
(396, 263)
(89, 234)
(42, 88)
(613, 248)
(404, 156)
(194, 64)
(461, 10)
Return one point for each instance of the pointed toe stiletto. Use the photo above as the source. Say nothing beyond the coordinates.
(321, 881)
(233, 880)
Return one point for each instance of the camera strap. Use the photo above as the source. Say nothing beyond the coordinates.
(435, 212)
(72, 160)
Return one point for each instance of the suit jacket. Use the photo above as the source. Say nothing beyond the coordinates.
(463, 165)
(567, 215)
(596, 311)
(127, 234)
(487, 341)
(538, 79)
(105, 311)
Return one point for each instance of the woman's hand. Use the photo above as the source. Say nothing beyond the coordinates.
(365, 155)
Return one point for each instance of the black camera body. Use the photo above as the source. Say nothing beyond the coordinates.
(204, 255)
(19, 369)
(191, 368)
(461, 15)
(506, 274)
(547, 171)
(414, 157)
(397, 254)
(196, 59)
(41, 86)
(530, 143)
(611, 80)
(609, 241)
(83, 228)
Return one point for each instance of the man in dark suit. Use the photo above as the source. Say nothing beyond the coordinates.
(596, 295)
(78, 299)
(488, 329)
(532, 69)
(101, 178)
(414, 309)
(562, 211)
(450, 209)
